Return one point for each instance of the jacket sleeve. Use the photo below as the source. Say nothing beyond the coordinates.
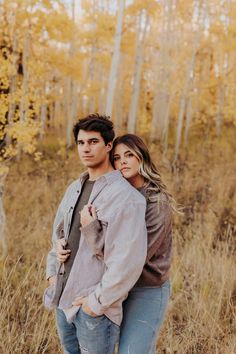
(125, 252)
(57, 232)
(158, 220)
(94, 234)
(52, 263)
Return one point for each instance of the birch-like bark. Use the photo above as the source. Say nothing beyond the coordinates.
(24, 95)
(188, 79)
(70, 94)
(43, 116)
(115, 59)
(119, 122)
(219, 115)
(189, 114)
(132, 118)
(161, 104)
(12, 88)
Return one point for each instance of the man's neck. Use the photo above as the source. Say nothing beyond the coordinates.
(95, 173)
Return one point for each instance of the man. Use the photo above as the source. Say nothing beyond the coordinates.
(88, 289)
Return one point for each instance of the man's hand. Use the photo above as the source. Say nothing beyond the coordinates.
(62, 254)
(88, 214)
(83, 301)
(52, 280)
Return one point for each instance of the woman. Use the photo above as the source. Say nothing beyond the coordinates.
(146, 304)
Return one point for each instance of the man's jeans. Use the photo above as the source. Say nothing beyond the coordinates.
(144, 311)
(87, 334)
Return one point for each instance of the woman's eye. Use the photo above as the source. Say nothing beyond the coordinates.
(130, 154)
(116, 158)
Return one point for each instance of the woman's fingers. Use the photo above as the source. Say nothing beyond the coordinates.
(63, 257)
(93, 211)
(62, 254)
(87, 214)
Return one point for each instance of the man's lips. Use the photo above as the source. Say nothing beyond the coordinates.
(87, 157)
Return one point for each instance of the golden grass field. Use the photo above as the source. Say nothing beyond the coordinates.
(201, 316)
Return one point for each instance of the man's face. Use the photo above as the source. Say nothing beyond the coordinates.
(92, 149)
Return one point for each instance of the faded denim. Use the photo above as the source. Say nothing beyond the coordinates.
(144, 312)
(87, 334)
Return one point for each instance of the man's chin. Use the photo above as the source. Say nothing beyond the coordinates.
(90, 164)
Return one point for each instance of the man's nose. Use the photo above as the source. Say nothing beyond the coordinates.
(86, 147)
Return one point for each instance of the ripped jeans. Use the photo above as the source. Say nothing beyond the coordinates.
(87, 334)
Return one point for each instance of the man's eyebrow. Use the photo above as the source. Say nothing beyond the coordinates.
(81, 140)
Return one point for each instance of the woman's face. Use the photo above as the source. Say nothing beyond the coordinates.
(126, 162)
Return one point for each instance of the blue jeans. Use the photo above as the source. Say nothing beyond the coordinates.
(144, 312)
(87, 334)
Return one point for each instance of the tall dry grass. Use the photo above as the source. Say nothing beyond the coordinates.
(201, 316)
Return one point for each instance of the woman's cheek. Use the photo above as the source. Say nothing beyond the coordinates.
(117, 165)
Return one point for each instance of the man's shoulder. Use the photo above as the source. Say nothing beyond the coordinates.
(122, 188)
(74, 186)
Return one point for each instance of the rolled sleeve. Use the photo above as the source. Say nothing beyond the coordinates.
(125, 253)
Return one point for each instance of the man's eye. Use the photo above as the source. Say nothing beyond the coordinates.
(94, 142)
(79, 143)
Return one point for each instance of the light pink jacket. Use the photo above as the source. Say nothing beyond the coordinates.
(107, 279)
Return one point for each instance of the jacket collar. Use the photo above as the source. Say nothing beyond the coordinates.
(108, 177)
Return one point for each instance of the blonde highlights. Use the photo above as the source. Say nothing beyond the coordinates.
(154, 184)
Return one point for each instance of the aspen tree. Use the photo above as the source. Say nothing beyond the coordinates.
(115, 59)
(162, 95)
(187, 82)
(70, 91)
(143, 21)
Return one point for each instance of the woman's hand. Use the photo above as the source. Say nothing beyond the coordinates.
(62, 254)
(87, 215)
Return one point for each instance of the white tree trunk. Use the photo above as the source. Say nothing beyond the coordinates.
(71, 92)
(183, 98)
(137, 72)
(219, 115)
(115, 59)
(161, 104)
(120, 99)
(24, 95)
(189, 78)
(43, 116)
(12, 91)
(189, 113)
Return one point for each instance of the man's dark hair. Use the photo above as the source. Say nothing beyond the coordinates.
(97, 123)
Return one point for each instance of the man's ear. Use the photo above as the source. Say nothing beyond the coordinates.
(109, 146)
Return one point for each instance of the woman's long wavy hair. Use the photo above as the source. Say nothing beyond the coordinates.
(147, 169)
